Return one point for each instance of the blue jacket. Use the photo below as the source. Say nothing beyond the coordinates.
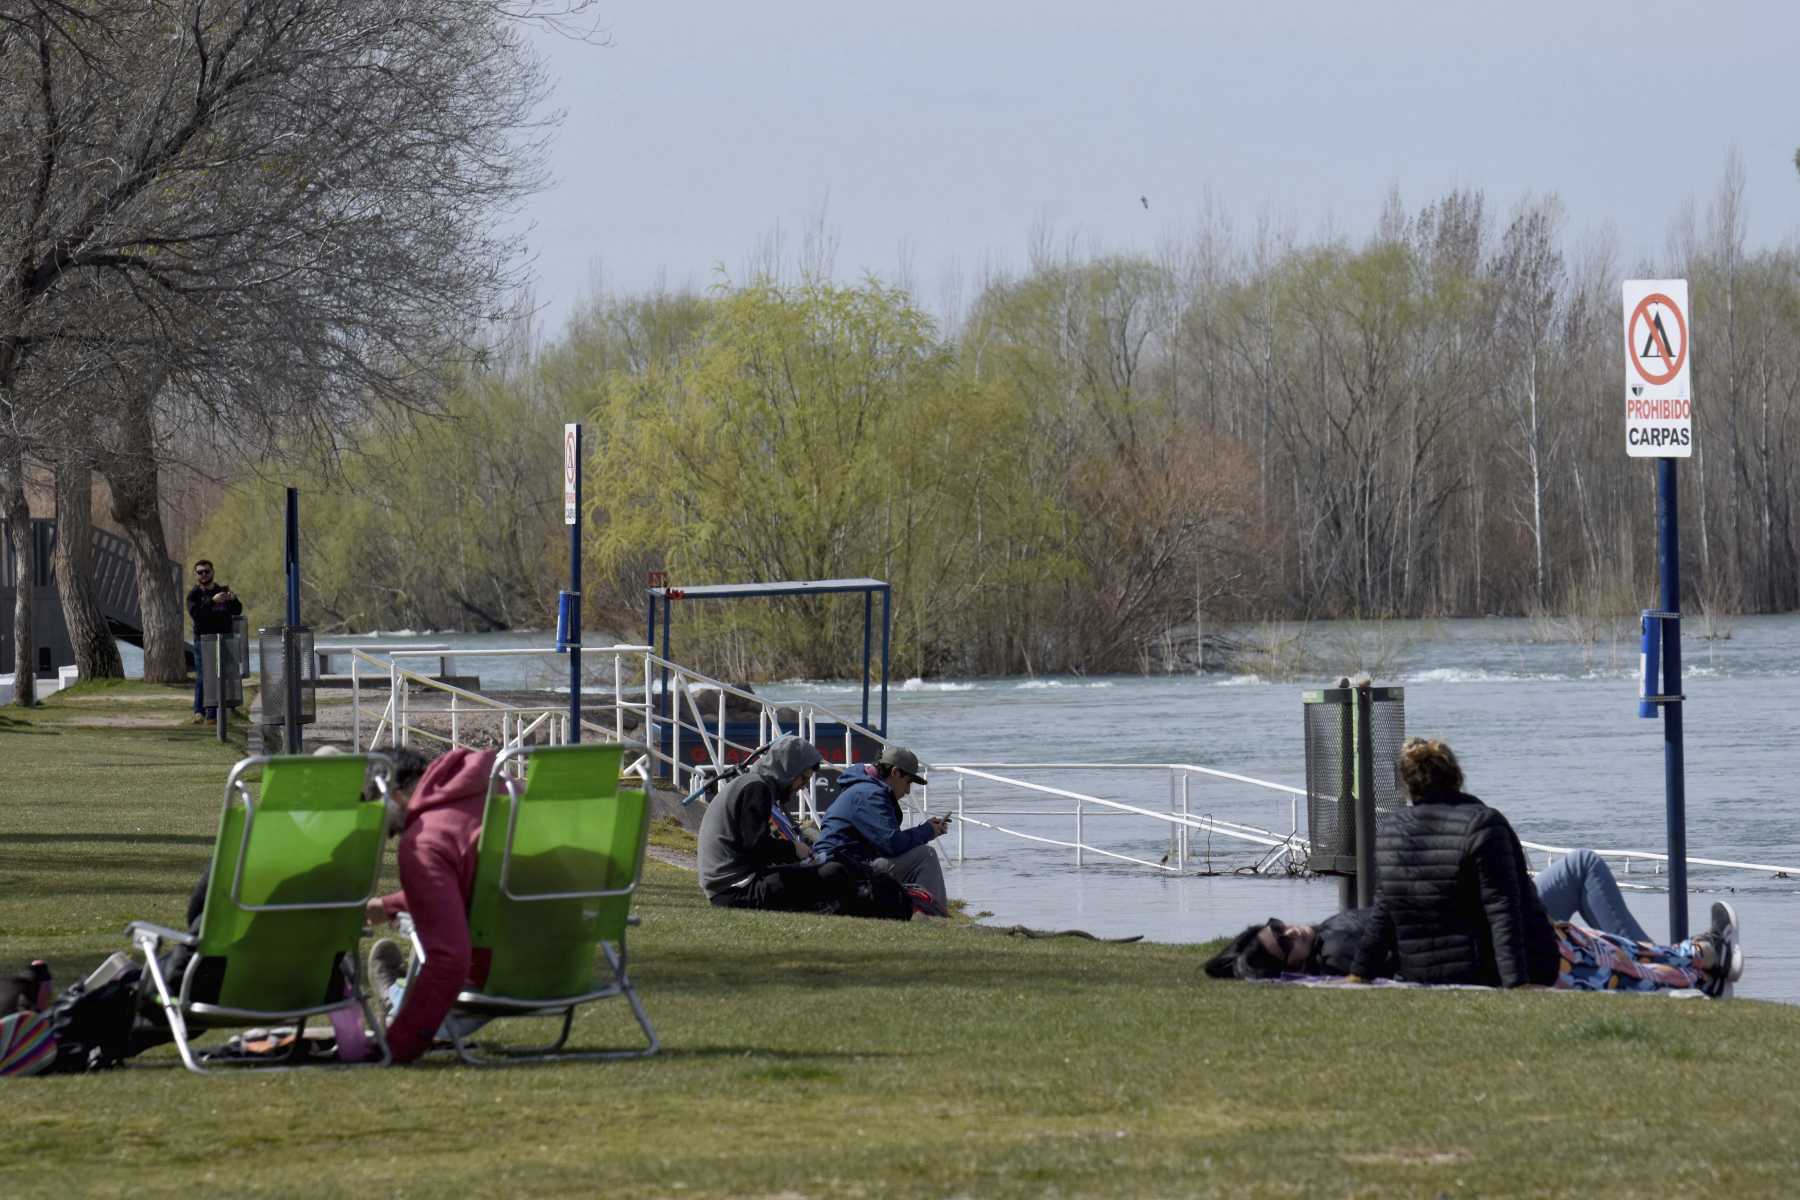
(864, 821)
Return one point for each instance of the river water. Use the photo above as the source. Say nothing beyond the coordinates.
(1545, 724)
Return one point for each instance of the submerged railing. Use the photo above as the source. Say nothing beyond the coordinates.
(661, 720)
(1280, 850)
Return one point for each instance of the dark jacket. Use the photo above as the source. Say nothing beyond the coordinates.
(1454, 902)
(736, 841)
(864, 821)
(211, 616)
(1339, 938)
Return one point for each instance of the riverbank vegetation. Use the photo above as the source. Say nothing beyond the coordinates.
(827, 1057)
(1096, 457)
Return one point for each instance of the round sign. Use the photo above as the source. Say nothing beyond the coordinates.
(1654, 332)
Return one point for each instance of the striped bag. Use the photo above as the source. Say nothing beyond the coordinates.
(27, 1043)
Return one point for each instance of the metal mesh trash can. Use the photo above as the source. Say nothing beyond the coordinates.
(287, 649)
(223, 682)
(1353, 739)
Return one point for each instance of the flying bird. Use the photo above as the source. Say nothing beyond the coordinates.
(1144, 200)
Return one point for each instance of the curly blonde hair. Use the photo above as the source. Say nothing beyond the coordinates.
(1429, 765)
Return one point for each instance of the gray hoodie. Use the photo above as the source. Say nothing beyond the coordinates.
(736, 842)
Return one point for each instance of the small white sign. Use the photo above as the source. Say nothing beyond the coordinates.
(1659, 410)
(571, 448)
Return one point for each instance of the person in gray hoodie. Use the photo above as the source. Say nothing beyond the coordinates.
(746, 863)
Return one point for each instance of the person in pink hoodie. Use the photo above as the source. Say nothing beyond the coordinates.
(438, 831)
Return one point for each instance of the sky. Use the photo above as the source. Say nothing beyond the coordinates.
(934, 140)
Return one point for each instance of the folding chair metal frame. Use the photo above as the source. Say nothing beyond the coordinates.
(176, 996)
(472, 1002)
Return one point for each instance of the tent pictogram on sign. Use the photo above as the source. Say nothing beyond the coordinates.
(1656, 334)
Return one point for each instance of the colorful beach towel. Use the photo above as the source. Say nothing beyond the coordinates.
(27, 1043)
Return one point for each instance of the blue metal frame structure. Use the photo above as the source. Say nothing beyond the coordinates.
(817, 587)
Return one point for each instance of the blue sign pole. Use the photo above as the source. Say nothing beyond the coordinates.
(575, 594)
(291, 556)
(1668, 562)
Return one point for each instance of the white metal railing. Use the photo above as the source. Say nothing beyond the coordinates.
(692, 709)
(1658, 863)
(1180, 820)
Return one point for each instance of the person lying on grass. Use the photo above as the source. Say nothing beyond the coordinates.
(1579, 882)
(1454, 905)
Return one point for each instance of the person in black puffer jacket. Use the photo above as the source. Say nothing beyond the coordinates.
(1454, 902)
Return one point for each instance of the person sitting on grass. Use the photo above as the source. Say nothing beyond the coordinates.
(1579, 882)
(862, 826)
(751, 856)
(1453, 905)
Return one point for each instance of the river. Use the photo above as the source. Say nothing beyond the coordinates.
(1545, 724)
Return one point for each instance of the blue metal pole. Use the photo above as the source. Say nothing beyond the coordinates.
(868, 621)
(291, 664)
(887, 615)
(292, 556)
(575, 604)
(1668, 561)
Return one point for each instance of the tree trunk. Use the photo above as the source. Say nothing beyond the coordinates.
(135, 480)
(96, 654)
(18, 533)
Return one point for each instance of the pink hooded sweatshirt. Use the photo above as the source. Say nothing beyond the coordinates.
(437, 878)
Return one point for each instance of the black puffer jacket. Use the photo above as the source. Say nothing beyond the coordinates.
(1454, 902)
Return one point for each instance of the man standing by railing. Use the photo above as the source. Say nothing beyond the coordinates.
(863, 826)
(212, 606)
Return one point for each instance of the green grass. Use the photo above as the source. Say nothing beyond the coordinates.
(817, 1056)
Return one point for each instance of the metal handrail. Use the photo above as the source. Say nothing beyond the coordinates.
(1179, 820)
(395, 724)
(1655, 858)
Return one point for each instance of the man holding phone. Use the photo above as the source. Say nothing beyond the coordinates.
(212, 606)
(863, 826)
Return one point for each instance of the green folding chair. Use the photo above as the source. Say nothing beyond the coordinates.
(296, 863)
(559, 859)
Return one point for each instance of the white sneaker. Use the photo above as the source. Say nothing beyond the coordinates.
(1728, 954)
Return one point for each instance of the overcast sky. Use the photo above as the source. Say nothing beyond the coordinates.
(940, 135)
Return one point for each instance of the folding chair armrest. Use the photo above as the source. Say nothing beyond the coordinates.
(161, 933)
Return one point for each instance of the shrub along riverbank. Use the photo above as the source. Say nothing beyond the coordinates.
(817, 1056)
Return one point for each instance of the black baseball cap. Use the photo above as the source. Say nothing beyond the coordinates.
(901, 759)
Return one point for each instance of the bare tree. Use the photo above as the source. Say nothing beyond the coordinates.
(288, 206)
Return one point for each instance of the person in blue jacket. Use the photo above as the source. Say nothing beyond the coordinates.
(863, 826)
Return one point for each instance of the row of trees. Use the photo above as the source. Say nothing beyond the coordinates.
(1102, 448)
(240, 231)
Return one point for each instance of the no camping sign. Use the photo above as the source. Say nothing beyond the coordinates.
(1659, 415)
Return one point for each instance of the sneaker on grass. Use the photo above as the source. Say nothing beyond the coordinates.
(387, 967)
(1725, 964)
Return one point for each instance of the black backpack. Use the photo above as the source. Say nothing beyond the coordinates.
(99, 1028)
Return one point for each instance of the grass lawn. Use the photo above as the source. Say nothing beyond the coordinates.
(819, 1056)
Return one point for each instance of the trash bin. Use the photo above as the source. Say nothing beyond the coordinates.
(288, 650)
(1353, 739)
(224, 665)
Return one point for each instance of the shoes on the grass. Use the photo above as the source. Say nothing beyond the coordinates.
(199, 719)
(387, 965)
(1728, 954)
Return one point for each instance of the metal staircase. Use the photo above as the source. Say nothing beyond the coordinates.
(115, 582)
